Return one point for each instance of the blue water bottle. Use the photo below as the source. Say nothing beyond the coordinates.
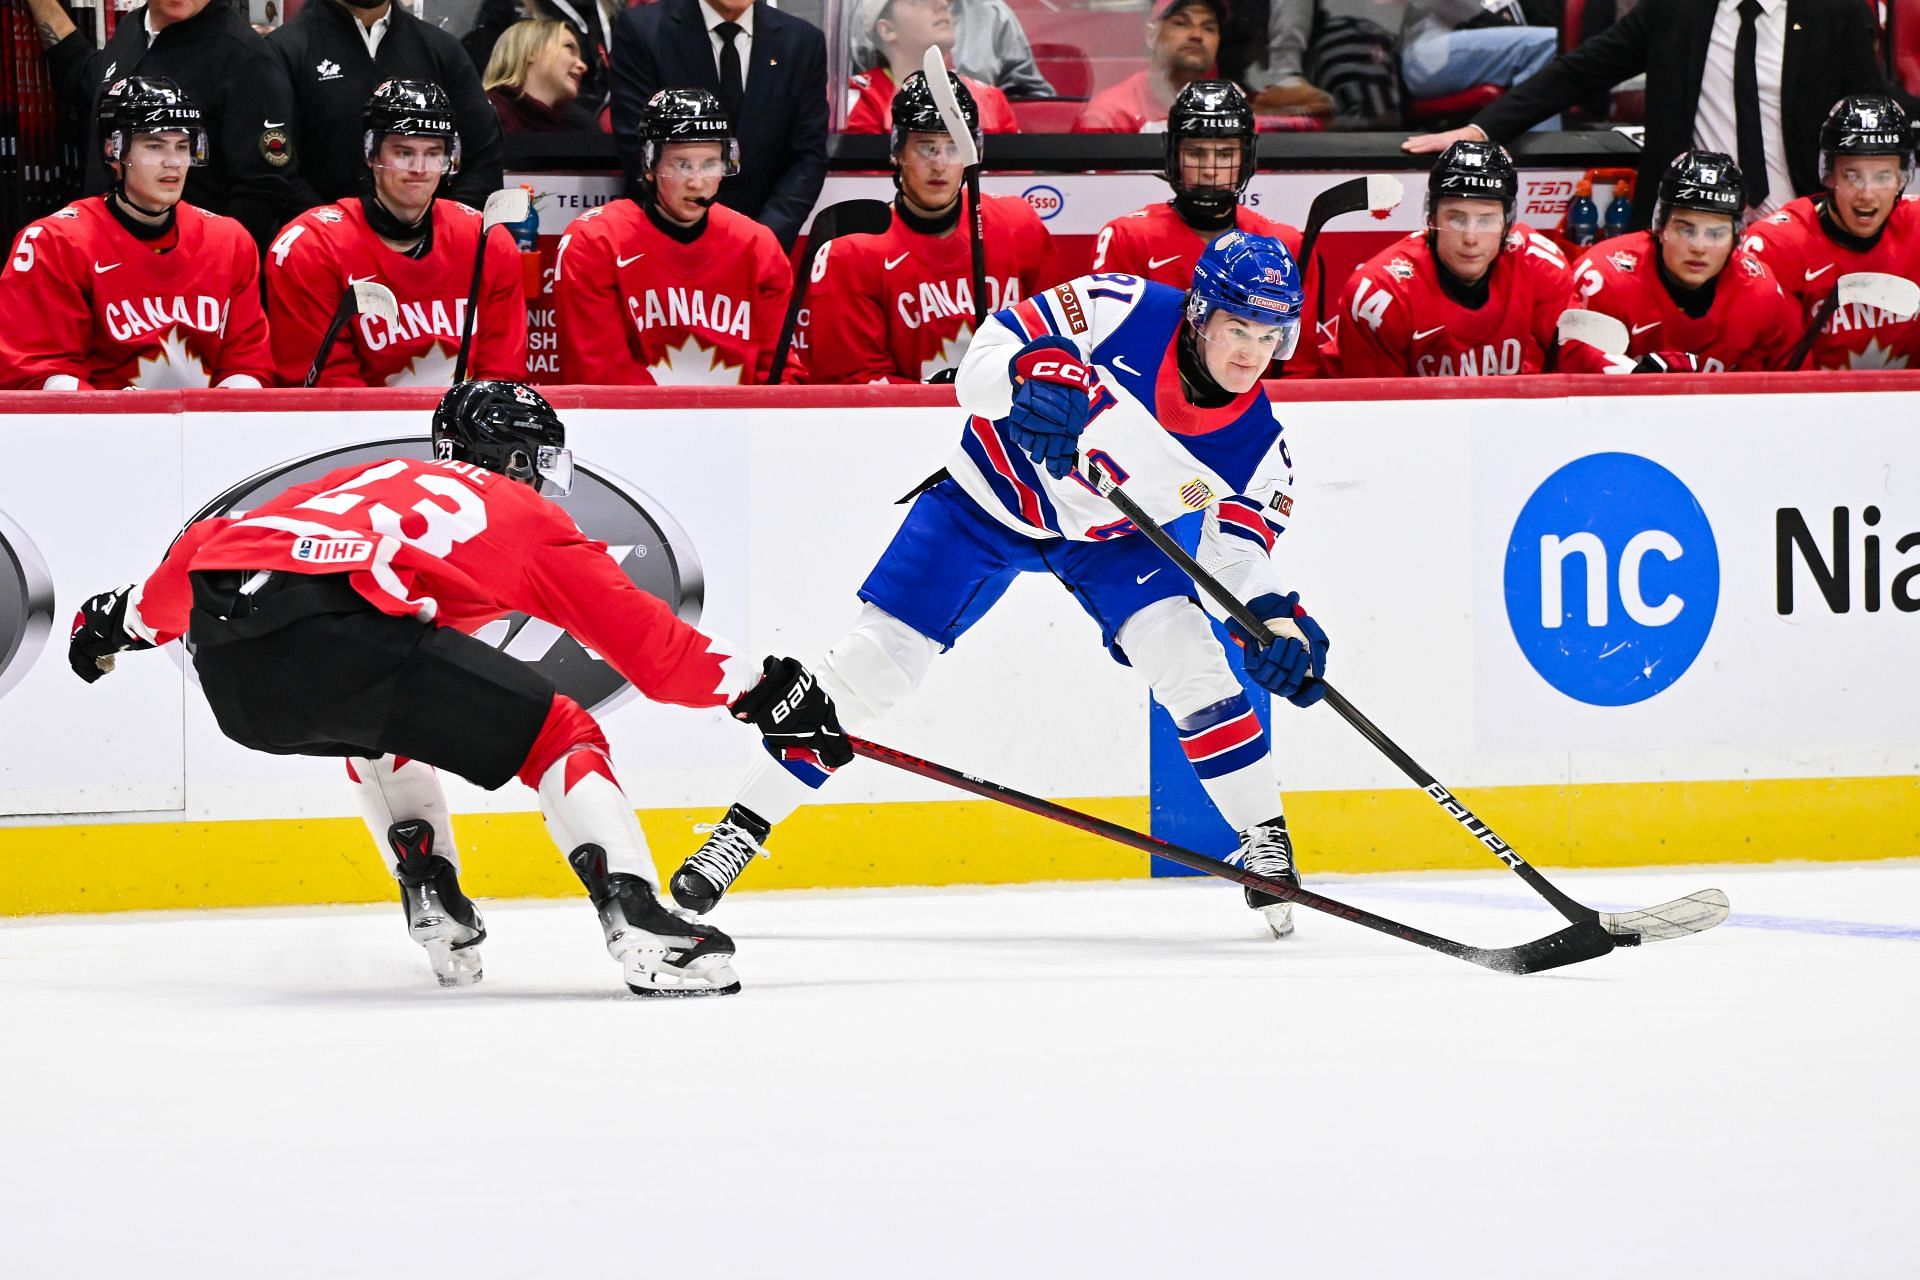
(526, 232)
(1620, 209)
(1583, 215)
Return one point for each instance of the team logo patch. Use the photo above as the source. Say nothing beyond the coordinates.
(1623, 261)
(327, 213)
(328, 70)
(1752, 266)
(1070, 308)
(276, 148)
(1282, 503)
(1400, 269)
(1195, 493)
(331, 550)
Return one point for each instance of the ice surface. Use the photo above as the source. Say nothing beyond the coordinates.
(1065, 1082)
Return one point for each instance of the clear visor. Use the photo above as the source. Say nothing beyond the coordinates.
(119, 148)
(682, 161)
(554, 465)
(449, 164)
(1271, 337)
(1850, 172)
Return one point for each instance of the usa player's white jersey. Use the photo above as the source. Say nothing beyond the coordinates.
(1230, 466)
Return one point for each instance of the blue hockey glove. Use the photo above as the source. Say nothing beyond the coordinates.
(1288, 661)
(1051, 403)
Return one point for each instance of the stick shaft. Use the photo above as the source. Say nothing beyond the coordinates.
(473, 306)
(331, 336)
(1821, 314)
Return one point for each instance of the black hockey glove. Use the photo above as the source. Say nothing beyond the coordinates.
(790, 709)
(99, 632)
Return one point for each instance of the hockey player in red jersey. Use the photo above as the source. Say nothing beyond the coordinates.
(1690, 299)
(903, 31)
(136, 288)
(899, 306)
(1861, 224)
(398, 234)
(1209, 155)
(668, 287)
(1473, 295)
(335, 620)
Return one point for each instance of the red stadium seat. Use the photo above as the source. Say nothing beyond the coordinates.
(1067, 68)
(1046, 115)
(1451, 109)
(1903, 19)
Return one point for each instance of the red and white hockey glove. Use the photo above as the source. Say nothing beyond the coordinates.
(1052, 403)
(99, 632)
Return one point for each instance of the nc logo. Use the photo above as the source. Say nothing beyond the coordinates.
(1612, 579)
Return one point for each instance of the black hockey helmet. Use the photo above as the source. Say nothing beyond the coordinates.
(1470, 170)
(147, 104)
(1866, 124)
(1209, 109)
(1708, 181)
(685, 115)
(506, 427)
(410, 109)
(914, 111)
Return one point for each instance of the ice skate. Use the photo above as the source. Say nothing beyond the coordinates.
(1268, 850)
(731, 844)
(660, 953)
(440, 917)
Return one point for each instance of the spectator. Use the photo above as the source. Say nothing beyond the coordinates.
(136, 288)
(336, 52)
(401, 234)
(1860, 224)
(207, 48)
(1471, 296)
(899, 306)
(661, 288)
(1183, 41)
(989, 47)
(1264, 49)
(590, 21)
(725, 47)
(534, 80)
(1691, 301)
(904, 30)
(1451, 45)
(1692, 54)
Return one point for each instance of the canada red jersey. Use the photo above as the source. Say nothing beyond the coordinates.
(1806, 261)
(898, 306)
(1156, 243)
(638, 307)
(456, 546)
(870, 104)
(87, 304)
(311, 262)
(1395, 320)
(1750, 324)
(1127, 107)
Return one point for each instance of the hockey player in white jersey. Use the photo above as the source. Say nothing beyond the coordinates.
(1162, 390)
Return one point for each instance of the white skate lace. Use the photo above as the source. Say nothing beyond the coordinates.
(1265, 851)
(726, 853)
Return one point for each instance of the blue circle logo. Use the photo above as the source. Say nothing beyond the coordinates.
(1612, 579)
(1046, 201)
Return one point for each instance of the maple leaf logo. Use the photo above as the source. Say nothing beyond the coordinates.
(949, 353)
(693, 364)
(431, 368)
(175, 366)
(1876, 357)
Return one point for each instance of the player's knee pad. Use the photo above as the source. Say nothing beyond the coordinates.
(873, 666)
(567, 727)
(1172, 645)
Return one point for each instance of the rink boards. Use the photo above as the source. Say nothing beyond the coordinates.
(1670, 626)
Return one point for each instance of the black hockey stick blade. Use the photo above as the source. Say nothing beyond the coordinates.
(843, 218)
(1583, 941)
(1377, 192)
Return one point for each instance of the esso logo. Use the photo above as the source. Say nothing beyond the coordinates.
(1045, 201)
(1612, 579)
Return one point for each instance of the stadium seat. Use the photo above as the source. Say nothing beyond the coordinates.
(1452, 109)
(1046, 115)
(1067, 68)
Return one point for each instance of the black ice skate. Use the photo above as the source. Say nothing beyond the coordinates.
(731, 844)
(1268, 850)
(439, 916)
(662, 954)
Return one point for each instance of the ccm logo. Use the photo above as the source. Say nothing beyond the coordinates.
(1061, 371)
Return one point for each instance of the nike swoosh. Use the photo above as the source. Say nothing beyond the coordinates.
(1120, 362)
(894, 262)
(622, 262)
(1815, 275)
(1154, 264)
(273, 124)
(1642, 328)
(1142, 578)
(1419, 334)
(354, 280)
(100, 270)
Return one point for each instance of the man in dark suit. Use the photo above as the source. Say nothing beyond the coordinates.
(1701, 59)
(734, 48)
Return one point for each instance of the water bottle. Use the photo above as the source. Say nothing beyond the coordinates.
(1620, 209)
(526, 232)
(1583, 215)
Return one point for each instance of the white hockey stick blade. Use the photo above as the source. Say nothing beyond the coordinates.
(1384, 193)
(1695, 913)
(508, 204)
(1596, 329)
(371, 298)
(1896, 295)
(935, 67)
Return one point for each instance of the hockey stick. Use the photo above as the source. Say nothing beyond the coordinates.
(843, 218)
(1376, 193)
(1894, 294)
(1692, 914)
(1595, 328)
(934, 66)
(1577, 942)
(363, 298)
(509, 204)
